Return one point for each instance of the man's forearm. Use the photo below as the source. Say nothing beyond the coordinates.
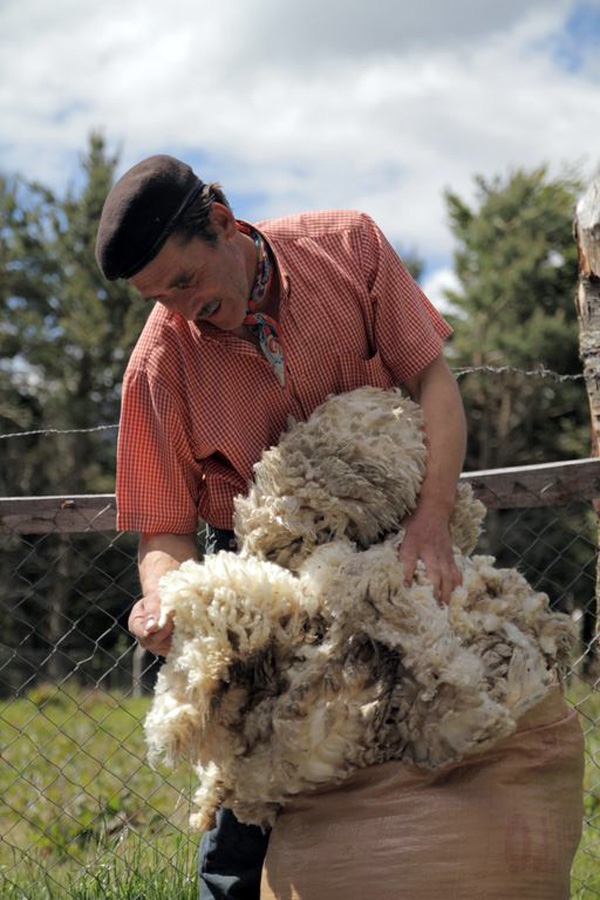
(445, 433)
(427, 535)
(157, 555)
(160, 553)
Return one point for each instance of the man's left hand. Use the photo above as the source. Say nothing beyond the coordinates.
(427, 538)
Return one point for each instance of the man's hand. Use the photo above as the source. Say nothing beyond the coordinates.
(427, 538)
(157, 554)
(426, 531)
(143, 624)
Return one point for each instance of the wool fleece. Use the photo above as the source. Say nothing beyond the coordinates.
(305, 657)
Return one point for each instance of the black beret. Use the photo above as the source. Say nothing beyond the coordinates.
(140, 212)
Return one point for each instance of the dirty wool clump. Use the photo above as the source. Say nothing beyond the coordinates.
(306, 656)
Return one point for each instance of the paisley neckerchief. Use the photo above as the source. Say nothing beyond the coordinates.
(264, 327)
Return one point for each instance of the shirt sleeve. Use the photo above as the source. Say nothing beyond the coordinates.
(409, 332)
(158, 480)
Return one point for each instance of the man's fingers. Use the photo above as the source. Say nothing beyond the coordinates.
(442, 578)
(159, 641)
(158, 636)
(408, 557)
(150, 625)
(154, 624)
(447, 586)
(145, 624)
(159, 647)
(450, 578)
(409, 563)
(436, 579)
(137, 623)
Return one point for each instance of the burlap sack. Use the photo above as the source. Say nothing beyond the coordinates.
(500, 826)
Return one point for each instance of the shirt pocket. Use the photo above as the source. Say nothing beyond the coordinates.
(355, 372)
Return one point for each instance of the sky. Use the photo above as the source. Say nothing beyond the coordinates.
(378, 105)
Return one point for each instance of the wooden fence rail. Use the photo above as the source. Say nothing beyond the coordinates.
(549, 484)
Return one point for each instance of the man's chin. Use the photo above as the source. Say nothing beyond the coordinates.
(220, 326)
(200, 320)
(230, 322)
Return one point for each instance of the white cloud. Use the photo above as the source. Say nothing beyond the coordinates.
(316, 104)
(435, 286)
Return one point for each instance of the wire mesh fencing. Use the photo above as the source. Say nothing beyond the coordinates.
(79, 806)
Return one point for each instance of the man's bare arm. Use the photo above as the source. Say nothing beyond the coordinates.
(157, 554)
(427, 536)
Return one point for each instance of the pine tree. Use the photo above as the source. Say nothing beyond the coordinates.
(66, 338)
(516, 263)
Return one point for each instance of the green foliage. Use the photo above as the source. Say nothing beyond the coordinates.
(83, 815)
(516, 262)
(65, 340)
(133, 872)
(66, 336)
(586, 871)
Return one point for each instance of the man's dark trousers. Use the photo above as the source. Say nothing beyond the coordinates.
(231, 855)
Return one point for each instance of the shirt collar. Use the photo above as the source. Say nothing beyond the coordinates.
(282, 273)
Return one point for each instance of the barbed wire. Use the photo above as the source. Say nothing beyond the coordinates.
(540, 372)
(4, 437)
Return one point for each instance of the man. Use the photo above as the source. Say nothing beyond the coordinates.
(253, 324)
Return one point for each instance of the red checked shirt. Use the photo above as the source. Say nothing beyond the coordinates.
(200, 405)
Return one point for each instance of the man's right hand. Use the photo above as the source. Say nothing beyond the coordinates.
(143, 624)
(157, 554)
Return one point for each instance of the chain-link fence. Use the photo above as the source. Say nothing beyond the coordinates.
(81, 811)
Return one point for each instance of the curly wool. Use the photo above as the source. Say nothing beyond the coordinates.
(306, 656)
(352, 470)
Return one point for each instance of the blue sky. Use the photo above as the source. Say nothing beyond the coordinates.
(575, 45)
(292, 106)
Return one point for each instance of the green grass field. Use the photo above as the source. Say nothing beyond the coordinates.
(82, 815)
(586, 870)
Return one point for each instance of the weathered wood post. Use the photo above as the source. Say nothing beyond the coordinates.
(587, 233)
(137, 671)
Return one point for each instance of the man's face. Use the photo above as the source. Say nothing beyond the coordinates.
(200, 281)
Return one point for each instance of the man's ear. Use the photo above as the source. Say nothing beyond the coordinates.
(222, 218)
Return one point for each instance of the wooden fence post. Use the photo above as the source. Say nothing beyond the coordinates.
(587, 234)
(137, 671)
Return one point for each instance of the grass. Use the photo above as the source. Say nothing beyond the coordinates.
(82, 815)
(586, 869)
(134, 871)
